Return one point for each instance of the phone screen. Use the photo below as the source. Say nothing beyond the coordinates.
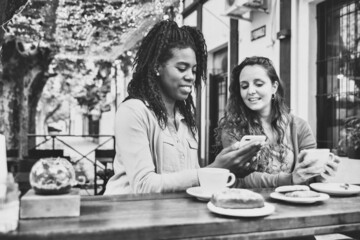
(251, 138)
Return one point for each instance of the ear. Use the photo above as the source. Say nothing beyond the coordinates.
(275, 86)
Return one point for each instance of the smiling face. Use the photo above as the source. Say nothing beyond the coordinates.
(177, 75)
(256, 89)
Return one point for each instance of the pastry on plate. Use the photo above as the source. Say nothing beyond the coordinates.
(292, 188)
(302, 194)
(237, 199)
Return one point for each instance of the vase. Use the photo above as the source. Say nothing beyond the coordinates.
(52, 176)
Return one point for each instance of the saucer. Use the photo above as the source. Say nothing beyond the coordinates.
(336, 189)
(199, 193)
(308, 200)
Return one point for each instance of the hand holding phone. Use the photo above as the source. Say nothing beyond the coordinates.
(247, 139)
(236, 159)
(250, 138)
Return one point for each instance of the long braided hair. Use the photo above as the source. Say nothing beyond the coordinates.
(156, 49)
(239, 120)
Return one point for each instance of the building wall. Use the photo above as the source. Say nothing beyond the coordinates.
(267, 46)
(303, 58)
(216, 30)
(216, 27)
(303, 42)
(191, 19)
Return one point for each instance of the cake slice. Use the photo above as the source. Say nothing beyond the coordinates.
(237, 199)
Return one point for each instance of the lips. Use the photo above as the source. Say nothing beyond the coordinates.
(253, 99)
(186, 89)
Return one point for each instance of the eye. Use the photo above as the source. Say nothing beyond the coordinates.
(258, 83)
(181, 69)
(244, 86)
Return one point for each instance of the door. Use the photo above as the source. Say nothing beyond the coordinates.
(217, 104)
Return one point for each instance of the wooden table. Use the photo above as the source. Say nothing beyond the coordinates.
(167, 216)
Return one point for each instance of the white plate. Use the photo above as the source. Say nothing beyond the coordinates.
(335, 188)
(253, 212)
(199, 193)
(280, 196)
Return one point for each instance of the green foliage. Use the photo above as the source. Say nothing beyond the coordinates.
(81, 34)
(90, 97)
(93, 94)
(352, 126)
(84, 27)
(126, 60)
(12, 7)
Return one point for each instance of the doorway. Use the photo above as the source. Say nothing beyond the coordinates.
(217, 98)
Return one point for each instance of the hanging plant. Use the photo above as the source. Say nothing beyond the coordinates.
(352, 126)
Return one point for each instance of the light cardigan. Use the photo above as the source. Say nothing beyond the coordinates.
(148, 158)
(302, 138)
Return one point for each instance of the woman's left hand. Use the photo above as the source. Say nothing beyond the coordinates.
(331, 167)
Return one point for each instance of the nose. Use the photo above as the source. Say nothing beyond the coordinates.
(251, 89)
(190, 76)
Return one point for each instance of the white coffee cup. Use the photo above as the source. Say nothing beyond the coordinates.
(322, 156)
(215, 179)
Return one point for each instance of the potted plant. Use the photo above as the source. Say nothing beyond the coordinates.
(352, 126)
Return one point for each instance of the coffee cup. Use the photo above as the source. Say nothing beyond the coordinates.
(215, 179)
(321, 157)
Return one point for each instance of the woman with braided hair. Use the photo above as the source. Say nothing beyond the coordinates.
(156, 134)
(256, 107)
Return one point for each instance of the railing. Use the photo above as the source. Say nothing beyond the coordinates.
(104, 156)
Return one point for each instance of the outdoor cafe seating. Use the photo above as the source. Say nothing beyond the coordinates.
(67, 66)
(180, 215)
(188, 214)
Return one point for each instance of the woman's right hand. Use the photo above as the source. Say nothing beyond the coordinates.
(238, 159)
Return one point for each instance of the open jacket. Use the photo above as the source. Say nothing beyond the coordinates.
(302, 138)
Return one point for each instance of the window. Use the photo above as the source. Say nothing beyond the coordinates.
(338, 71)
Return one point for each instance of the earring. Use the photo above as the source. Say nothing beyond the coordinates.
(157, 72)
(273, 96)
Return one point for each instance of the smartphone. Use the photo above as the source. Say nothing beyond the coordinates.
(251, 138)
